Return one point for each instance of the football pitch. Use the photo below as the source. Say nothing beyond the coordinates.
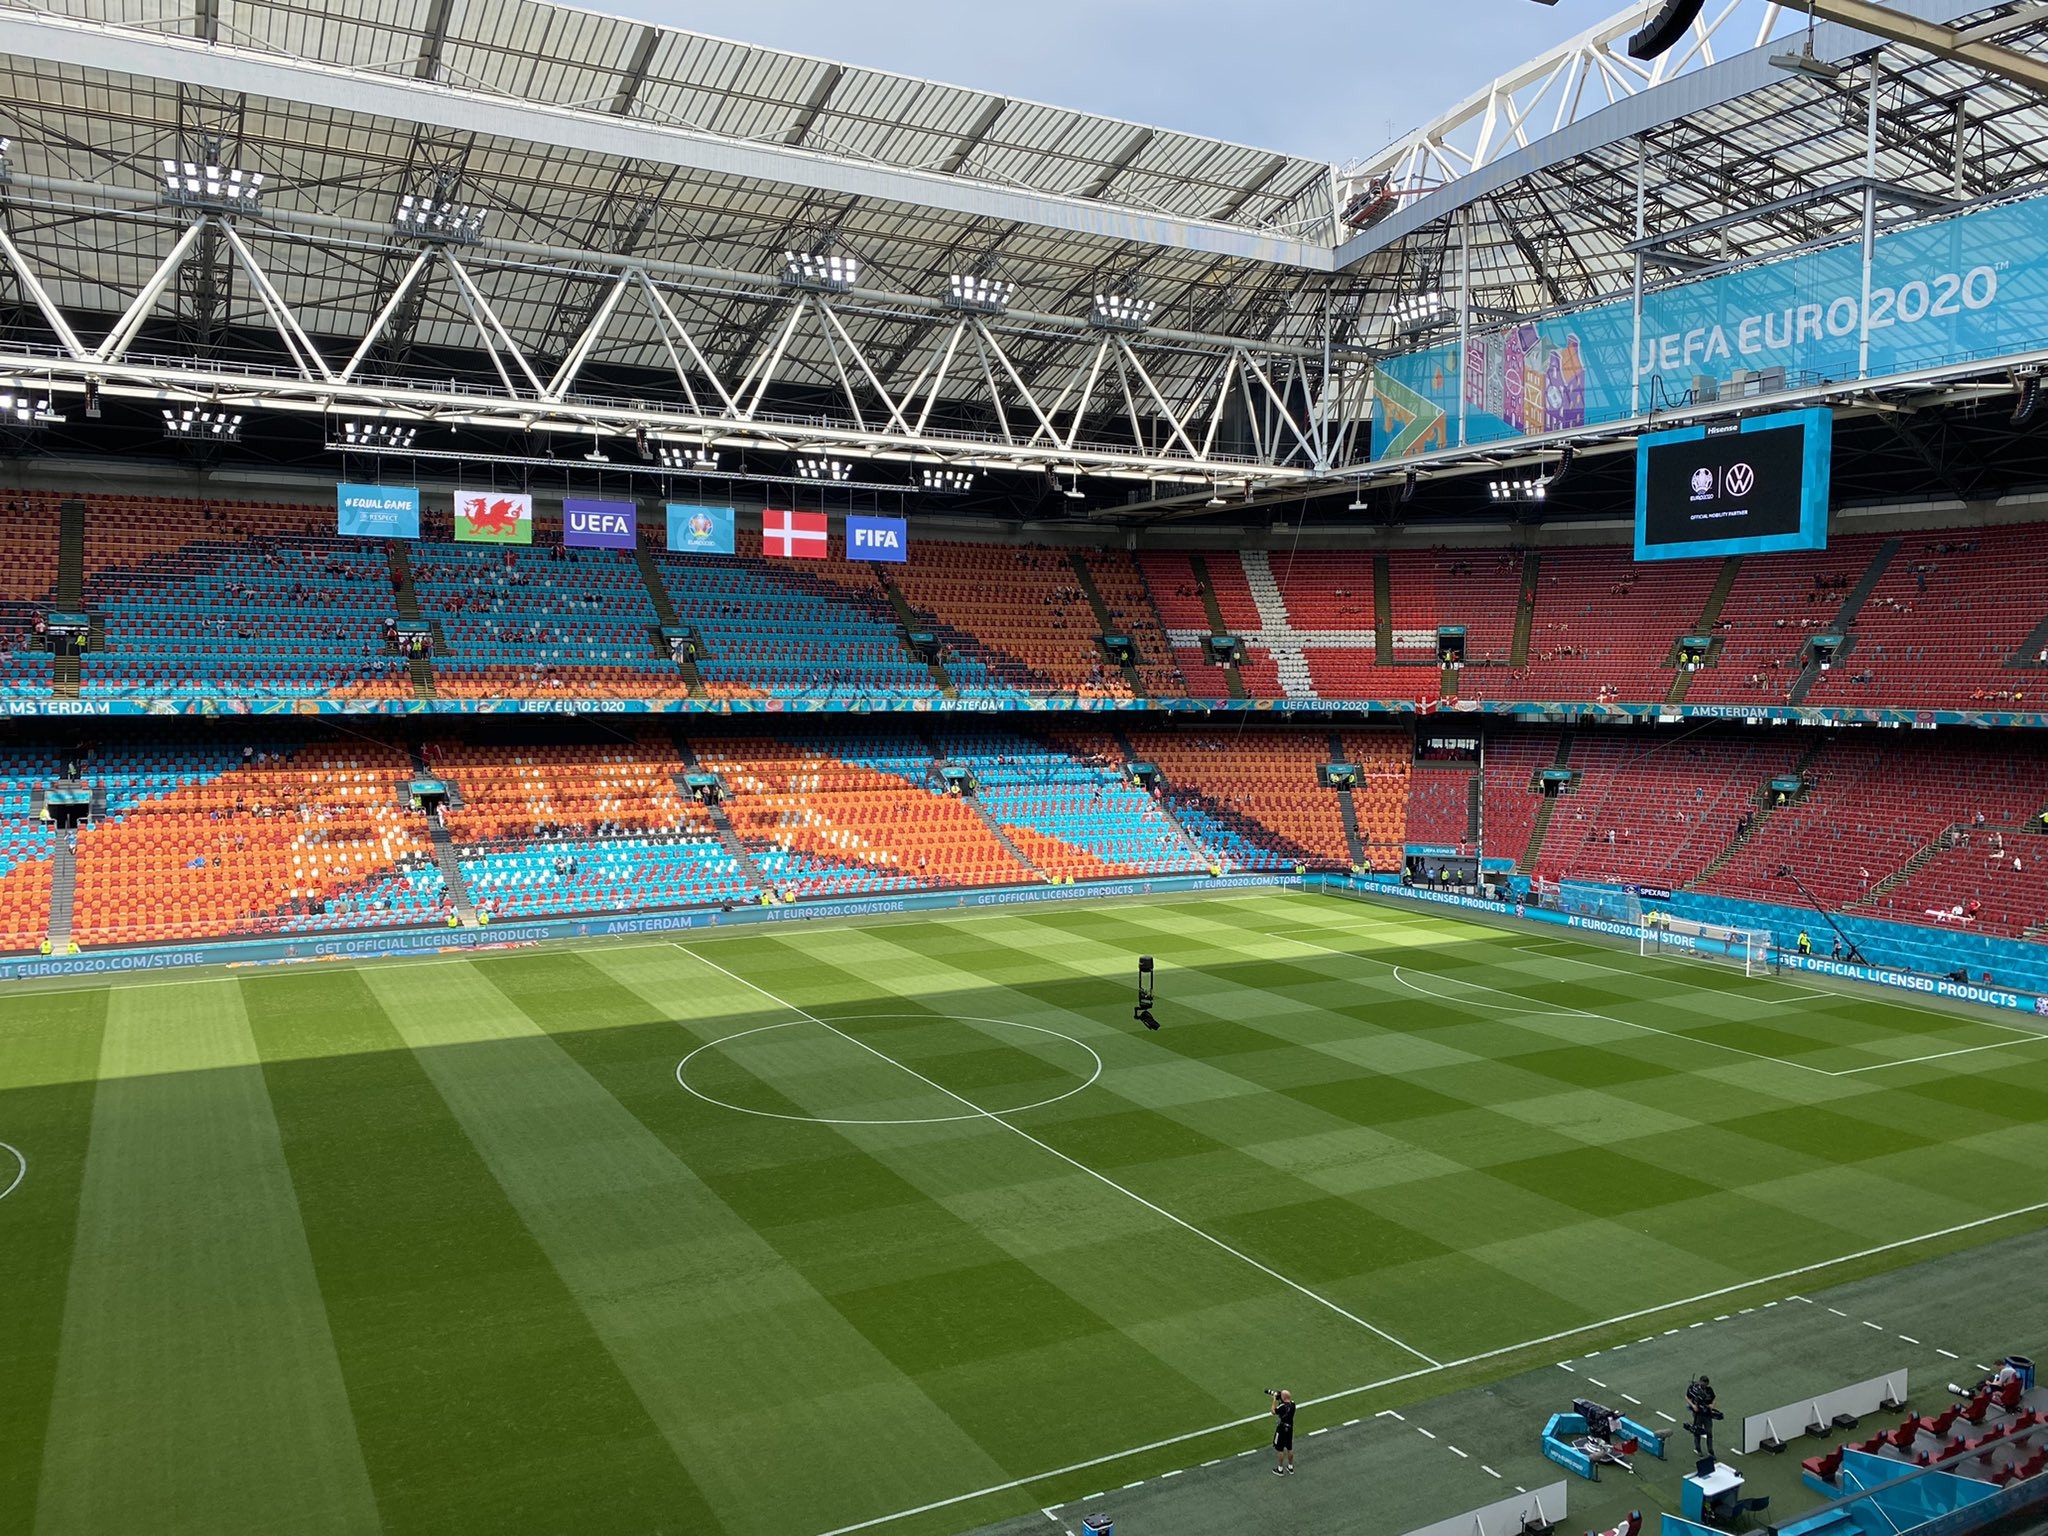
(903, 1224)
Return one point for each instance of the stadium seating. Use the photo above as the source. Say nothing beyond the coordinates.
(1777, 603)
(1508, 804)
(534, 622)
(234, 600)
(197, 842)
(780, 627)
(25, 847)
(1034, 627)
(1250, 795)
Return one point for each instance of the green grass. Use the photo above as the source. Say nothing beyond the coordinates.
(445, 1246)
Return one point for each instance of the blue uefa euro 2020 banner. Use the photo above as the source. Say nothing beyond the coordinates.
(598, 524)
(699, 530)
(877, 538)
(1963, 289)
(377, 511)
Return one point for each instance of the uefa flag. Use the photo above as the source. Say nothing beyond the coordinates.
(699, 530)
(493, 517)
(794, 535)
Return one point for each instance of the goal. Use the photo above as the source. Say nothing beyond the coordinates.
(1679, 937)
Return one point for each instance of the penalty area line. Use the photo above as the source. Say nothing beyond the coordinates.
(1102, 1178)
(1415, 1375)
(20, 1168)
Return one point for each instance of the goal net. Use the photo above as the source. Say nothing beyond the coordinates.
(1751, 948)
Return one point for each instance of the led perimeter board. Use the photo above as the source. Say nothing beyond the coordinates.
(1735, 490)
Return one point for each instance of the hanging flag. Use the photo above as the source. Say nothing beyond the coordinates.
(699, 530)
(377, 511)
(877, 538)
(598, 524)
(493, 517)
(794, 535)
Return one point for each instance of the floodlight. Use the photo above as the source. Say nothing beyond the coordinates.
(1808, 66)
(427, 217)
(1413, 311)
(1121, 312)
(1073, 491)
(820, 271)
(980, 293)
(1518, 490)
(203, 423)
(823, 469)
(20, 409)
(672, 456)
(948, 482)
(379, 436)
(211, 186)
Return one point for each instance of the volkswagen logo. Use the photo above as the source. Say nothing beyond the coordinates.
(1702, 482)
(1741, 479)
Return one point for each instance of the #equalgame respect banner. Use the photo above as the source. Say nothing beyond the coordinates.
(699, 530)
(493, 517)
(377, 511)
(878, 538)
(793, 535)
(598, 524)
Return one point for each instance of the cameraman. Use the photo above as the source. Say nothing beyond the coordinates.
(1283, 1430)
(1699, 1397)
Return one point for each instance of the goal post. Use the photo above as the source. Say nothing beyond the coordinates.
(1683, 938)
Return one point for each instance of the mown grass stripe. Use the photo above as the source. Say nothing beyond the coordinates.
(49, 1069)
(483, 1400)
(197, 1386)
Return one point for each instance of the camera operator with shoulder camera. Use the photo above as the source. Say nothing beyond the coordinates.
(1283, 1430)
(1699, 1397)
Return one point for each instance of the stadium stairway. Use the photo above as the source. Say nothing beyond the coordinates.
(1346, 809)
(907, 616)
(1232, 678)
(63, 893)
(1760, 802)
(1122, 741)
(406, 598)
(665, 613)
(451, 873)
(1710, 615)
(728, 838)
(1085, 578)
(1544, 811)
(1845, 619)
(69, 593)
(1383, 610)
(1525, 608)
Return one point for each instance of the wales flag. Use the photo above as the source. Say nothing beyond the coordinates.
(493, 517)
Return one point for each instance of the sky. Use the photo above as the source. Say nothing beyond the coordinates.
(1321, 78)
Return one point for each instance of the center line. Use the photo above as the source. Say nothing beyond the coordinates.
(1131, 1194)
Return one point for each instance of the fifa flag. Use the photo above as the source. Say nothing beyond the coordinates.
(877, 538)
(699, 530)
(377, 511)
(493, 517)
(794, 535)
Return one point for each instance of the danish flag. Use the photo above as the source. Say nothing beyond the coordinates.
(794, 535)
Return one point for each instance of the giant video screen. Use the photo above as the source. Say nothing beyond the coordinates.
(1735, 489)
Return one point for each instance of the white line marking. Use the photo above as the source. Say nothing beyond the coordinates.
(1349, 1422)
(1476, 1359)
(1488, 1470)
(1627, 1399)
(1055, 1519)
(1214, 1461)
(1176, 1472)
(1455, 1451)
(1138, 1484)
(682, 1076)
(20, 1170)
(1838, 1311)
(1596, 1381)
(1869, 1324)
(1563, 1367)
(1984, 1368)
(1311, 1434)
(1940, 1351)
(1388, 1413)
(1047, 1147)
(1421, 1431)
(1909, 1338)
(1536, 1006)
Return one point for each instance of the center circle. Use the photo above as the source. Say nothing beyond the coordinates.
(13, 1155)
(968, 1109)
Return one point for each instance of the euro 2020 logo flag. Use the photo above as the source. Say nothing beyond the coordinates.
(699, 530)
(1702, 484)
(493, 517)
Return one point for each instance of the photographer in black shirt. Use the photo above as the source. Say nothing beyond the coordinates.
(1283, 1430)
